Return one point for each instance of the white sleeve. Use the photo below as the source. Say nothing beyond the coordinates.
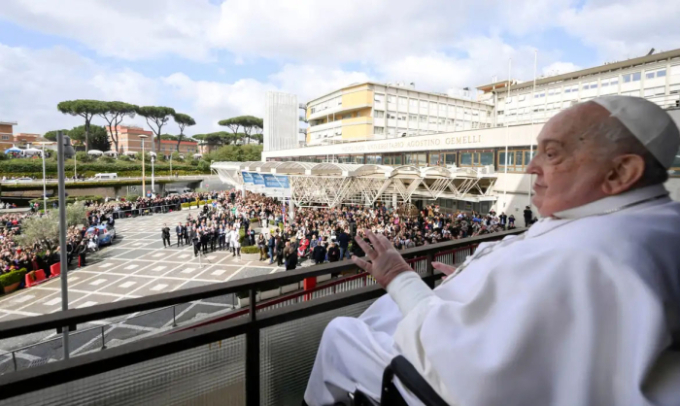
(522, 335)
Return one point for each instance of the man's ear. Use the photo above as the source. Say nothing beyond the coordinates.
(625, 172)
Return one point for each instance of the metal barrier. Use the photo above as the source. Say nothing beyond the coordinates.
(263, 357)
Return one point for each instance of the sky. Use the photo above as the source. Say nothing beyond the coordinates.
(216, 59)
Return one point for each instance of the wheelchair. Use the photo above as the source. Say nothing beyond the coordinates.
(401, 368)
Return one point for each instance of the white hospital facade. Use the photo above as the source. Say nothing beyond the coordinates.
(394, 125)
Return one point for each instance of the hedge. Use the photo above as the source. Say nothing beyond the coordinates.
(69, 199)
(84, 184)
(13, 277)
(250, 250)
(185, 205)
(25, 167)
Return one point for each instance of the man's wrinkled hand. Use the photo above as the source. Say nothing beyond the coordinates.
(386, 262)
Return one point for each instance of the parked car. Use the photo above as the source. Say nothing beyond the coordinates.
(106, 233)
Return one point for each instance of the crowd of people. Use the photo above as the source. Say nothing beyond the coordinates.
(317, 234)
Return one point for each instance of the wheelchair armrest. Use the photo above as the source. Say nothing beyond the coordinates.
(411, 379)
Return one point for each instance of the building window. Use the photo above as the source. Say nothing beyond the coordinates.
(402, 101)
(451, 159)
(5, 137)
(634, 93)
(413, 117)
(379, 130)
(346, 116)
(402, 117)
(379, 99)
(379, 114)
(658, 73)
(567, 90)
(631, 77)
(391, 116)
(423, 119)
(675, 89)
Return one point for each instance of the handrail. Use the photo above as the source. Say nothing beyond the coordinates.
(73, 317)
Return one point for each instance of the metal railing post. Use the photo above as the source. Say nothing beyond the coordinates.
(174, 317)
(430, 269)
(14, 361)
(253, 355)
(103, 339)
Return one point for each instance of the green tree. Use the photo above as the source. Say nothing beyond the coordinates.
(249, 124)
(45, 229)
(83, 108)
(213, 140)
(176, 157)
(52, 135)
(170, 137)
(98, 137)
(82, 157)
(114, 113)
(183, 121)
(259, 138)
(159, 116)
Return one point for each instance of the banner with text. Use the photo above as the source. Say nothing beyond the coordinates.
(247, 177)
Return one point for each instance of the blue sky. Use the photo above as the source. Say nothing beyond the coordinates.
(214, 59)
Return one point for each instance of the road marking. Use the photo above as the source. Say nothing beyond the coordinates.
(127, 284)
(158, 287)
(86, 304)
(133, 266)
(23, 298)
(53, 302)
(160, 254)
(106, 265)
(219, 272)
(188, 270)
(98, 282)
(184, 256)
(159, 268)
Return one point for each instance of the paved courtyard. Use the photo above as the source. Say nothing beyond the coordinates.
(135, 265)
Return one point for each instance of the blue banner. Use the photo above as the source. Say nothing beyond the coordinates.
(283, 181)
(247, 177)
(257, 179)
(276, 181)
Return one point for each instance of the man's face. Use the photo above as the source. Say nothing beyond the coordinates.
(569, 165)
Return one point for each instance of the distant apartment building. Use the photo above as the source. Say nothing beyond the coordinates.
(281, 121)
(9, 139)
(655, 77)
(129, 141)
(369, 111)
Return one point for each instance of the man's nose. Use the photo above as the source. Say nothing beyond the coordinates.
(534, 166)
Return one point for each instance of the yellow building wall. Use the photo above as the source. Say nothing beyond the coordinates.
(357, 98)
(356, 131)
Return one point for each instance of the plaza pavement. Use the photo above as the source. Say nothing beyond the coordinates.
(135, 265)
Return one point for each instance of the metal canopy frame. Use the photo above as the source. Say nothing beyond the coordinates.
(332, 184)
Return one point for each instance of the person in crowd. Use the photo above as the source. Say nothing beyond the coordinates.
(333, 253)
(179, 231)
(290, 256)
(319, 253)
(528, 216)
(235, 243)
(595, 299)
(165, 234)
(262, 246)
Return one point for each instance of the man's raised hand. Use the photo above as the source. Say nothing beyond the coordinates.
(386, 262)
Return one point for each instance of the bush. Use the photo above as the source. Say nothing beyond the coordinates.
(106, 159)
(82, 156)
(203, 166)
(250, 250)
(185, 205)
(254, 220)
(209, 201)
(69, 200)
(13, 277)
(124, 158)
(194, 204)
(201, 203)
(131, 198)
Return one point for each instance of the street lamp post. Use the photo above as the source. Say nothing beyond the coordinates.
(75, 167)
(153, 186)
(44, 178)
(142, 136)
(171, 164)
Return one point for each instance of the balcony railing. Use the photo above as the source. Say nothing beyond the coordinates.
(262, 355)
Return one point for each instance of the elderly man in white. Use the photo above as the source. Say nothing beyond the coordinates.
(582, 309)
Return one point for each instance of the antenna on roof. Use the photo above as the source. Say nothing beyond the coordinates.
(651, 51)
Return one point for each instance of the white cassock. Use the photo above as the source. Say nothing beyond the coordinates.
(580, 310)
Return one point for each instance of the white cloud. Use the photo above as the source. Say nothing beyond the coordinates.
(626, 28)
(129, 29)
